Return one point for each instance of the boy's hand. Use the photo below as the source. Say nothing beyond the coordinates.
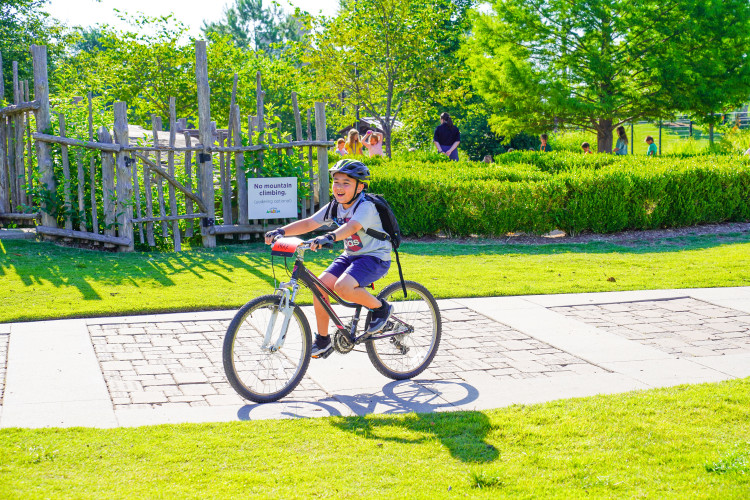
(271, 235)
(321, 241)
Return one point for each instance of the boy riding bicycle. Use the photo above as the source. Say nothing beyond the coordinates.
(365, 259)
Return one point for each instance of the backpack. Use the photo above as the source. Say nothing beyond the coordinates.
(387, 219)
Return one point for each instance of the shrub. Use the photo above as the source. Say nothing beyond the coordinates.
(535, 193)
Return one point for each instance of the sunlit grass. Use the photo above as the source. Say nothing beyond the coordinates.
(683, 442)
(42, 281)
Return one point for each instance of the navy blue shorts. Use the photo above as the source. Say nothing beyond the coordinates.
(365, 269)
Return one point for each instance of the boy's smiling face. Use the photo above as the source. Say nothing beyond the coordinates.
(345, 188)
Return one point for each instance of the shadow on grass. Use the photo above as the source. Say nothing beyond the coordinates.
(44, 263)
(417, 404)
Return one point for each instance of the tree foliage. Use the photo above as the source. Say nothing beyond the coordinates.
(145, 70)
(253, 26)
(22, 24)
(379, 58)
(592, 64)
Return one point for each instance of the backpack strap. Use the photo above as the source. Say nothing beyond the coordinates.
(333, 207)
(400, 274)
(377, 234)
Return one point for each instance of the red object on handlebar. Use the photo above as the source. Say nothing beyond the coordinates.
(285, 247)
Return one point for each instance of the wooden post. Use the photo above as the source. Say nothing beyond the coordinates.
(66, 175)
(124, 176)
(108, 183)
(320, 135)
(225, 181)
(155, 128)
(149, 204)
(2, 79)
(30, 165)
(4, 184)
(92, 172)
(81, 178)
(310, 172)
(137, 195)
(189, 184)
(239, 167)
(170, 166)
(43, 123)
(19, 170)
(204, 127)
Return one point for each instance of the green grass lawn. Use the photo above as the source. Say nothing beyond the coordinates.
(683, 442)
(42, 281)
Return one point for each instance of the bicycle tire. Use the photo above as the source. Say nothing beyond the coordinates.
(420, 310)
(258, 374)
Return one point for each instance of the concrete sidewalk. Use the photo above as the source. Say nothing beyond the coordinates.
(139, 370)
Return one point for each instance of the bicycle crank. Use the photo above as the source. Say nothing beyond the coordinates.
(341, 342)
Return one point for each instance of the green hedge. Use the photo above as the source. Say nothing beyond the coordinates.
(536, 193)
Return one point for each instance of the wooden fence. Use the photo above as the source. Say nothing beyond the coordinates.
(135, 191)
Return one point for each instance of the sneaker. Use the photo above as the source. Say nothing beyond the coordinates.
(379, 317)
(322, 346)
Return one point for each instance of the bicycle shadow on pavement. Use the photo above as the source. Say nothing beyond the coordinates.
(420, 403)
(287, 409)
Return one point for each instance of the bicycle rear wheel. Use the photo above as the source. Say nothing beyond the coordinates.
(257, 372)
(407, 354)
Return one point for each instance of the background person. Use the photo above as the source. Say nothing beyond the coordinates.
(545, 146)
(652, 149)
(447, 137)
(621, 146)
(586, 148)
(353, 144)
(340, 147)
(374, 143)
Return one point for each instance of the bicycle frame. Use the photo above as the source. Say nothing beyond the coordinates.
(300, 273)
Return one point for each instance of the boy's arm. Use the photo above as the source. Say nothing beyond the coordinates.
(341, 233)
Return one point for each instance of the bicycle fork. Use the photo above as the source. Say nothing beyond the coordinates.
(287, 292)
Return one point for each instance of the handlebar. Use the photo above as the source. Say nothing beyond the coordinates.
(297, 244)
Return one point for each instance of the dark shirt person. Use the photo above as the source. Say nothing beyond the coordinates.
(447, 137)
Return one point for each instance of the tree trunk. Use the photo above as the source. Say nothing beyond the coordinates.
(387, 138)
(604, 136)
(711, 132)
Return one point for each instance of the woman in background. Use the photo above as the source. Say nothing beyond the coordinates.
(447, 137)
(621, 147)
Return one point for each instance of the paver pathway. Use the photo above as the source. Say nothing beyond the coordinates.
(495, 351)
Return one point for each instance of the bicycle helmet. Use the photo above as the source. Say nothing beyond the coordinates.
(353, 168)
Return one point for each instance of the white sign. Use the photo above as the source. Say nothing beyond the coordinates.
(272, 198)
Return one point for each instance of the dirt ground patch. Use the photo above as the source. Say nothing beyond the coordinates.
(678, 236)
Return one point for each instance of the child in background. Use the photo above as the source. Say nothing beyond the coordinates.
(652, 149)
(340, 149)
(353, 144)
(374, 143)
(545, 146)
(586, 148)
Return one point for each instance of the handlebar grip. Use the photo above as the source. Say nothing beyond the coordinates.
(327, 246)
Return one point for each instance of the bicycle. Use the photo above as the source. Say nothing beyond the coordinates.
(267, 345)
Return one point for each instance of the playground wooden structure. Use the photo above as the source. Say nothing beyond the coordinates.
(127, 180)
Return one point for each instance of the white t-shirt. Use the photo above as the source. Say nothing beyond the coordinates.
(360, 243)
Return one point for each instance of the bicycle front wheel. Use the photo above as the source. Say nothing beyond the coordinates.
(406, 355)
(257, 365)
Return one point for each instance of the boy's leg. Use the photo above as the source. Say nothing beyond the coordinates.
(348, 288)
(363, 271)
(321, 316)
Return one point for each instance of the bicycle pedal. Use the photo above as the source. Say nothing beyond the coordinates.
(323, 355)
